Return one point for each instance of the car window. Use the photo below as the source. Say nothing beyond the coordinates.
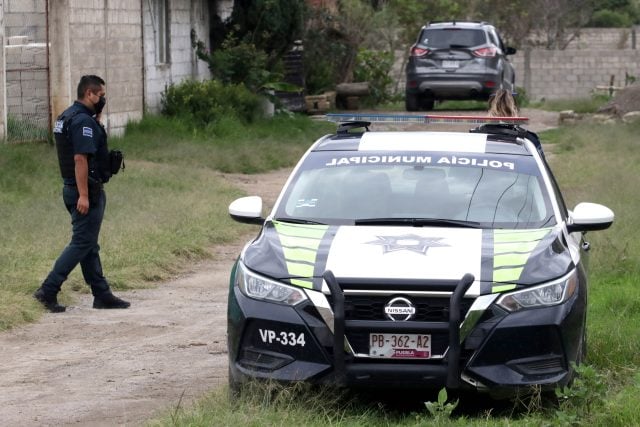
(447, 37)
(493, 190)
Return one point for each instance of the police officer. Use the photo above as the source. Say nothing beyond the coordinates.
(83, 155)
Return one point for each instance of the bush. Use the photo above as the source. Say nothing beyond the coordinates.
(522, 98)
(610, 18)
(208, 101)
(238, 61)
(325, 52)
(375, 67)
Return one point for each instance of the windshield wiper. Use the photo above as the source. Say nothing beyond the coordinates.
(299, 221)
(418, 222)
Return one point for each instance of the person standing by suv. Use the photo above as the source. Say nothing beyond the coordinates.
(502, 104)
(83, 155)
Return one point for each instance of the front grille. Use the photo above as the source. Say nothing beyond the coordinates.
(371, 307)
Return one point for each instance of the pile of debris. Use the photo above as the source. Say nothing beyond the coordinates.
(624, 106)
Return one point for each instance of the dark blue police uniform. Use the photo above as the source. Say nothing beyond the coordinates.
(78, 132)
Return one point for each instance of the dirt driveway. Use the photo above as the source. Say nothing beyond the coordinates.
(102, 367)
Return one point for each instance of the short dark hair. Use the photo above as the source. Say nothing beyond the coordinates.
(89, 81)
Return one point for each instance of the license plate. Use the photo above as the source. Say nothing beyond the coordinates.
(450, 64)
(400, 346)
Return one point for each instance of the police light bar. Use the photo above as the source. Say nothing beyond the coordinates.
(423, 119)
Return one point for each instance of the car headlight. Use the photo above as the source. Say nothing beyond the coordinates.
(546, 295)
(259, 287)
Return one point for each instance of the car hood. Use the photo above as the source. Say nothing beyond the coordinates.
(500, 260)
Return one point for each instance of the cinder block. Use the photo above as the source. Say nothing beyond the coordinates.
(17, 40)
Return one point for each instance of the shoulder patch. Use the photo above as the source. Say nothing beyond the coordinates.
(87, 131)
(57, 127)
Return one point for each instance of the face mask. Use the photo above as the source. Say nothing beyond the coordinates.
(100, 105)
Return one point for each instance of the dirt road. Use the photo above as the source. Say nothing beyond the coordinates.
(102, 367)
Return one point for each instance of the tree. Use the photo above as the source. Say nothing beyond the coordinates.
(548, 23)
(413, 14)
(271, 25)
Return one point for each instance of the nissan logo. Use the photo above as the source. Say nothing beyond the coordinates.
(399, 309)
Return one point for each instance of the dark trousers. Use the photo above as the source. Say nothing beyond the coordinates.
(83, 248)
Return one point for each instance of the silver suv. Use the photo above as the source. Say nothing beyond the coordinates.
(456, 60)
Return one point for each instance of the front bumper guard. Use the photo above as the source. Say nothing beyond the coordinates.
(449, 372)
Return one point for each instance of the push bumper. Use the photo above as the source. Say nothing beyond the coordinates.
(502, 352)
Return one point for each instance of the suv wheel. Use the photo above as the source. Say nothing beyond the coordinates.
(427, 103)
(411, 102)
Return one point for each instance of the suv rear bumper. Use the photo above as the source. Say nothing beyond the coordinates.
(453, 86)
(502, 353)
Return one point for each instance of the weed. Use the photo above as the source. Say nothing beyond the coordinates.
(441, 409)
(579, 400)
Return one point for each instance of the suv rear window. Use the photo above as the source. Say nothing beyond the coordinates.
(447, 37)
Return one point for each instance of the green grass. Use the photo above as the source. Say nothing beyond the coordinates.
(398, 105)
(298, 405)
(166, 210)
(583, 105)
(227, 146)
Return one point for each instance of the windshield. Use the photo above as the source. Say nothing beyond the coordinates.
(485, 190)
(452, 37)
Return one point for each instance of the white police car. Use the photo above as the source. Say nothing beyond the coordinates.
(424, 259)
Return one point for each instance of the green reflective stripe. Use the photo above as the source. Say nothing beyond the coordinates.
(512, 248)
(299, 254)
(506, 236)
(502, 288)
(311, 231)
(504, 248)
(510, 260)
(302, 283)
(507, 274)
(300, 243)
(301, 270)
(303, 242)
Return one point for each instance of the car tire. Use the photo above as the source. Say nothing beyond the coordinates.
(583, 349)
(235, 387)
(427, 103)
(411, 102)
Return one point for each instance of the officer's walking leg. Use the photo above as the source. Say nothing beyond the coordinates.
(83, 240)
(90, 264)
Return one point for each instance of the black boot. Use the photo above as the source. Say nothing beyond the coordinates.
(109, 300)
(50, 302)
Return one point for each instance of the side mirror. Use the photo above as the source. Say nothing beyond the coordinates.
(247, 210)
(510, 50)
(589, 217)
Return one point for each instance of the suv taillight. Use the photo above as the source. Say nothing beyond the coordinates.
(486, 52)
(419, 51)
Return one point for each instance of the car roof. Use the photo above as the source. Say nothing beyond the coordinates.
(457, 24)
(402, 141)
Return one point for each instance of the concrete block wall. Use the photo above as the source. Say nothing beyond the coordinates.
(27, 90)
(605, 38)
(572, 73)
(26, 97)
(25, 18)
(105, 38)
(184, 15)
